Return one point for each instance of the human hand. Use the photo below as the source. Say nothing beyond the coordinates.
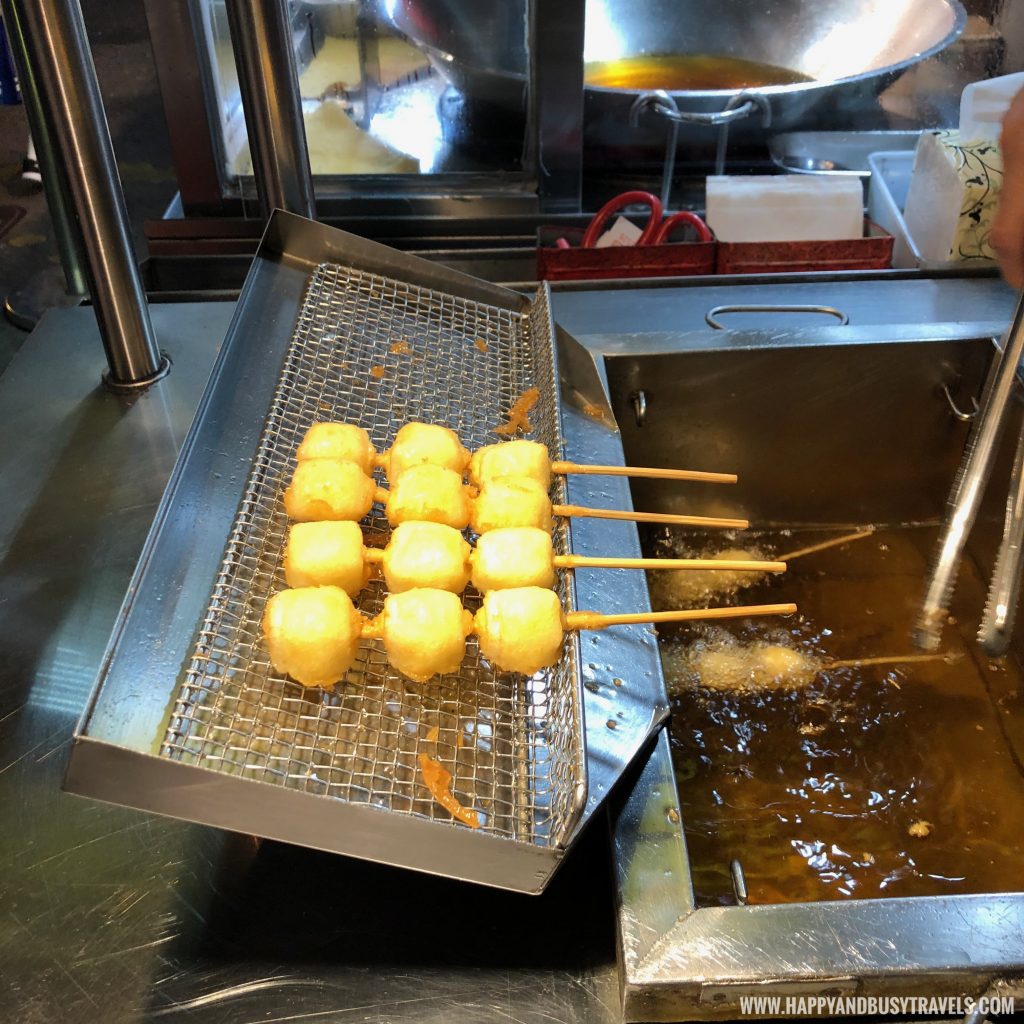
(1008, 229)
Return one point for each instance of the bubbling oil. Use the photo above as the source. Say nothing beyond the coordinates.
(846, 781)
(685, 72)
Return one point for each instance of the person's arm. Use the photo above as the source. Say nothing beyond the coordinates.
(1008, 229)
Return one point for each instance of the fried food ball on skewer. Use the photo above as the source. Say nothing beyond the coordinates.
(418, 444)
(418, 555)
(312, 634)
(431, 555)
(428, 493)
(331, 489)
(415, 444)
(344, 441)
(519, 556)
(424, 632)
(522, 630)
(531, 459)
(511, 501)
(328, 553)
(426, 555)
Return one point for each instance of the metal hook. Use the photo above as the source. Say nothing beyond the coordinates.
(639, 401)
(963, 417)
(742, 100)
(660, 100)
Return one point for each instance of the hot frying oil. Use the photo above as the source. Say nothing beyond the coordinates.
(851, 781)
(688, 72)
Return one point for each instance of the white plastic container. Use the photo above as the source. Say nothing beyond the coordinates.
(887, 198)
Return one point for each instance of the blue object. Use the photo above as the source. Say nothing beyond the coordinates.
(8, 82)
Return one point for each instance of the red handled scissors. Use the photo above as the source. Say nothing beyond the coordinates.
(657, 230)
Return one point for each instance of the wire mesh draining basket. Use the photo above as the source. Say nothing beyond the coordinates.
(379, 352)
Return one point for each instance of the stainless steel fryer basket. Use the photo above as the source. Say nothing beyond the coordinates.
(377, 351)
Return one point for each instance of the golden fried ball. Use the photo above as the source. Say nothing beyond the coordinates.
(426, 555)
(518, 556)
(425, 632)
(520, 630)
(427, 493)
(343, 441)
(312, 634)
(326, 554)
(417, 444)
(513, 458)
(758, 666)
(328, 489)
(511, 501)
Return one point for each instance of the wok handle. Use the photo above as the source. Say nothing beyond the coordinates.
(663, 103)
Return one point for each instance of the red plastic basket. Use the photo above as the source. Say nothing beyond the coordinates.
(872, 252)
(673, 259)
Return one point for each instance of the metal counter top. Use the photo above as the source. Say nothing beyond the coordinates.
(109, 914)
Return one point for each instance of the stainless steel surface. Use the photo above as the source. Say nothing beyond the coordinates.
(813, 165)
(934, 306)
(115, 914)
(851, 48)
(261, 38)
(1000, 615)
(514, 747)
(844, 153)
(66, 232)
(60, 65)
(171, 595)
(681, 962)
(969, 485)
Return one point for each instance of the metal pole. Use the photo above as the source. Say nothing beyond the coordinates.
(60, 62)
(66, 233)
(261, 37)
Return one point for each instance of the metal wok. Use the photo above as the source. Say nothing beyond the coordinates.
(850, 49)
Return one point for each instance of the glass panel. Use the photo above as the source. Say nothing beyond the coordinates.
(400, 87)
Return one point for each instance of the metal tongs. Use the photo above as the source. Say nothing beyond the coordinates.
(964, 500)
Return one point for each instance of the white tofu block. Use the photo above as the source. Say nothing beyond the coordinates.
(784, 208)
(953, 196)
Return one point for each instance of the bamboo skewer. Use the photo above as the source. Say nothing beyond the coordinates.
(380, 494)
(825, 544)
(892, 659)
(598, 620)
(665, 518)
(373, 628)
(375, 556)
(647, 472)
(734, 565)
